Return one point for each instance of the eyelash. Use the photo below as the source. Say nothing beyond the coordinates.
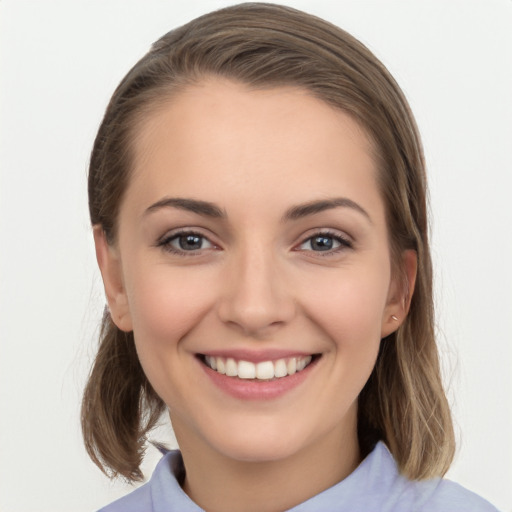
(166, 243)
(344, 243)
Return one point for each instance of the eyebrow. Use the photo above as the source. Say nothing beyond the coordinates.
(208, 209)
(203, 208)
(313, 207)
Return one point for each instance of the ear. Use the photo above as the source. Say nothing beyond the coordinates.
(400, 294)
(111, 272)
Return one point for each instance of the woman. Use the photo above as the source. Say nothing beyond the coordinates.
(257, 193)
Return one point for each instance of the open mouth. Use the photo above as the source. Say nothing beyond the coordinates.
(264, 370)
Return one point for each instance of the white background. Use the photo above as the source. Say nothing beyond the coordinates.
(61, 60)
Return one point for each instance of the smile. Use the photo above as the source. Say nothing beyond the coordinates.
(264, 370)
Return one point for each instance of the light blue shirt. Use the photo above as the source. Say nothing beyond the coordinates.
(375, 486)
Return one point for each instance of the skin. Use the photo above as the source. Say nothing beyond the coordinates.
(256, 283)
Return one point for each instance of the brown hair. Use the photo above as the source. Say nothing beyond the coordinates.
(264, 45)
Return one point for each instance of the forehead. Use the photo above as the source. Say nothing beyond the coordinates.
(247, 142)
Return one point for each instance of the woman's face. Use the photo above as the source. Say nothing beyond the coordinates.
(252, 242)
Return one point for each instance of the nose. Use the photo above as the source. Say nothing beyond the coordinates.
(257, 297)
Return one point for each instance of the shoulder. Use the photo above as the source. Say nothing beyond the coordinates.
(377, 486)
(443, 495)
(433, 495)
(161, 492)
(136, 501)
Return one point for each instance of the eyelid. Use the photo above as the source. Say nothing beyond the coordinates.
(164, 242)
(345, 241)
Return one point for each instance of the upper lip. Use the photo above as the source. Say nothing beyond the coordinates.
(256, 356)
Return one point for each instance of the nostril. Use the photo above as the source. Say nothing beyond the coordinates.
(254, 316)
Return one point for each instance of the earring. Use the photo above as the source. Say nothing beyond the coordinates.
(394, 318)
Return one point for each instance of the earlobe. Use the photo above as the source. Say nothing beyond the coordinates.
(111, 272)
(401, 292)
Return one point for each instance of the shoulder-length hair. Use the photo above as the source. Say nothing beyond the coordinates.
(264, 46)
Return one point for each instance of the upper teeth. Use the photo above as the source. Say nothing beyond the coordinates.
(265, 370)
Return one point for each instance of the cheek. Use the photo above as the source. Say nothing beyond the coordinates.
(350, 315)
(349, 306)
(166, 304)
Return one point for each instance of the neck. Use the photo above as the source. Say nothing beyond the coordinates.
(218, 483)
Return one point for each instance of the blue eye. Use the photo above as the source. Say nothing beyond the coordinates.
(185, 242)
(324, 242)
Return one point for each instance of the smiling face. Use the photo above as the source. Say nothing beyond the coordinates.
(252, 241)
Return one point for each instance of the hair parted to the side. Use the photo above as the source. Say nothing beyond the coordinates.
(263, 46)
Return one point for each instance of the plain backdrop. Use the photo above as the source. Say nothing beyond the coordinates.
(60, 62)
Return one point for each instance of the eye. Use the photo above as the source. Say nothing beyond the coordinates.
(324, 242)
(185, 241)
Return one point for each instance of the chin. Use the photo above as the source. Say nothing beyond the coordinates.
(258, 451)
(260, 443)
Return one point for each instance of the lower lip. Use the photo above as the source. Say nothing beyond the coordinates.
(252, 389)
